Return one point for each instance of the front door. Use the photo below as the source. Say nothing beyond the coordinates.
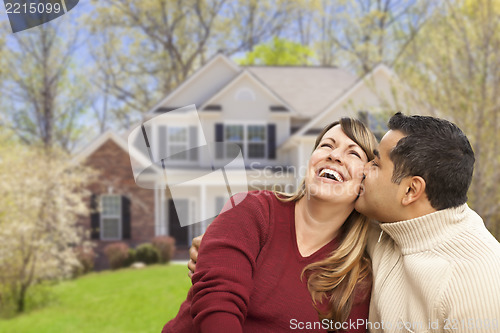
(179, 233)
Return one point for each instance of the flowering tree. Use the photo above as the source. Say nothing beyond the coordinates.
(42, 194)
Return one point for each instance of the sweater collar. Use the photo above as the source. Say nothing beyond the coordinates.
(426, 232)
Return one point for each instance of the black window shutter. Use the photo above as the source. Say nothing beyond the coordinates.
(219, 137)
(271, 141)
(94, 217)
(125, 217)
(193, 142)
(162, 142)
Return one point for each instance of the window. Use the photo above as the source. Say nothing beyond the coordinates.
(250, 138)
(111, 217)
(256, 136)
(177, 142)
(245, 95)
(234, 134)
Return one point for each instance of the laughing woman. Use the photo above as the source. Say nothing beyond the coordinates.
(278, 262)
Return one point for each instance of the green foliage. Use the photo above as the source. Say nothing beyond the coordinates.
(165, 245)
(117, 255)
(131, 257)
(37, 296)
(279, 52)
(125, 301)
(453, 70)
(147, 254)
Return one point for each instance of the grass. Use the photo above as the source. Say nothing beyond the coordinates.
(108, 302)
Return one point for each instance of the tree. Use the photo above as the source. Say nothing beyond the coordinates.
(46, 93)
(278, 52)
(359, 33)
(453, 70)
(42, 197)
(143, 50)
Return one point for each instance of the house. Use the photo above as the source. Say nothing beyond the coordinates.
(272, 112)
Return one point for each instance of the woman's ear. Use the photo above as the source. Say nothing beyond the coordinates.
(415, 189)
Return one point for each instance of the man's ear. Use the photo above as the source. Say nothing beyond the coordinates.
(415, 189)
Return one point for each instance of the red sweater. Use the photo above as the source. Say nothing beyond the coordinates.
(248, 274)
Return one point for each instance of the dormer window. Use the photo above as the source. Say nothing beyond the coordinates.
(245, 94)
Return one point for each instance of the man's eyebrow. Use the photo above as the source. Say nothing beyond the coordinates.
(376, 153)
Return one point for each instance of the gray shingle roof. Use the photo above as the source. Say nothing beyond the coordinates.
(308, 90)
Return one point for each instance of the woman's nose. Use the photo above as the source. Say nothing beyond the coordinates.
(336, 155)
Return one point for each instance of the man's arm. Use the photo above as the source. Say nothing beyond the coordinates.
(193, 255)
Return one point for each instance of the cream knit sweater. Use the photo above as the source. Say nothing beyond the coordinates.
(436, 273)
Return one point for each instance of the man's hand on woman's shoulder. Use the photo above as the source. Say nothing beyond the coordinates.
(193, 255)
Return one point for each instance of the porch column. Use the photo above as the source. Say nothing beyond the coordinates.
(203, 205)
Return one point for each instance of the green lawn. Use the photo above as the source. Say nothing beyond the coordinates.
(112, 301)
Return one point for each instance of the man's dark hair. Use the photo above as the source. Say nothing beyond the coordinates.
(439, 152)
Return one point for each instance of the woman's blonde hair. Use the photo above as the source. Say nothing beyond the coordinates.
(336, 277)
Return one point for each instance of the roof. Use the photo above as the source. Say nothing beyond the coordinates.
(248, 74)
(198, 73)
(309, 129)
(98, 142)
(121, 142)
(308, 90)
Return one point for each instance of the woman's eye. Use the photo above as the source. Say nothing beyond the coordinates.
(355, 153)
(326, 145)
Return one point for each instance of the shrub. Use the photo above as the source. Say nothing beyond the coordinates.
(147, 254)
(117, 254)
(165, 246)
(85, 256)
(131, 258)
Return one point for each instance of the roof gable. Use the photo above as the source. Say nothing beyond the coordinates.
(97, 143)
(197, 88)
(246, 75)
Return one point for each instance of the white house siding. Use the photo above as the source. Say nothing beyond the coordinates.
(247, 111)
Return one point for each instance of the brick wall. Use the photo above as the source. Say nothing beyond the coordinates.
(115, 174)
